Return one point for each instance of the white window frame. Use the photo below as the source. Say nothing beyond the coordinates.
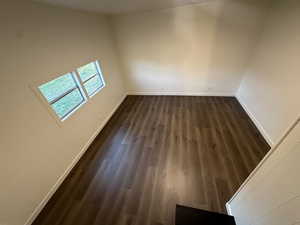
(98, 73)
(79, 85)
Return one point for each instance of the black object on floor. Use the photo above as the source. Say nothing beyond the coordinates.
(190, 216)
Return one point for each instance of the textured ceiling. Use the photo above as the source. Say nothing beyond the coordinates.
(121, 6)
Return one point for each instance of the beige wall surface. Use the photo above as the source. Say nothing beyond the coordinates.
(271, 86)
(195, 49)
(271, 92)
(272, 194)
(39, 43)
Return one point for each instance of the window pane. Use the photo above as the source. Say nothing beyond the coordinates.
(87, 71)
(63, 106)
(57, 87)
(93, 84)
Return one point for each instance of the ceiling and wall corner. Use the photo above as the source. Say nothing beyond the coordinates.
(123, 6)
(199, 49)
(270, 86)
(270, 90)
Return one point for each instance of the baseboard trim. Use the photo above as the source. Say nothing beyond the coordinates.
(54, 188)
(171, 93)
(228, 209)
(255, 121)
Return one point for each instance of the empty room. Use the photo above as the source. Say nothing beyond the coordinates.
(150, 112)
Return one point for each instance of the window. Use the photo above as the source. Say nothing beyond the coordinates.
(66, 93)
(91, 77)
(63, 94)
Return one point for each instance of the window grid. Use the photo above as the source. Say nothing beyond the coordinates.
(80, 85)
(98, 73)
(77, 87)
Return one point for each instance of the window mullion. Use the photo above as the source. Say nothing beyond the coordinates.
(91, 77)
(62, 95)
(80, 85)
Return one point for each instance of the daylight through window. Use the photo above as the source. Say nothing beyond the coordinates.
(91, 77)
(66, 93)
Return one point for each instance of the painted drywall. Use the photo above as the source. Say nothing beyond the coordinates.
(38, 43)
(199, 49)
(271, 86)
(270, 92)
(272, 194)
(121, 6)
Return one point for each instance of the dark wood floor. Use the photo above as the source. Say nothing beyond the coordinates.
(156, 152)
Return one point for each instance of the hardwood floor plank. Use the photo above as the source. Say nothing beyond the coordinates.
(154, 153)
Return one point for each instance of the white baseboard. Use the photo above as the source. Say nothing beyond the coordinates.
(255, 121)
(39, 208)
(228, 209)
(173, 93)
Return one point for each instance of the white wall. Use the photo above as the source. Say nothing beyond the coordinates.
(196, 49)
(39, 43)
(271, 86)
(272, 194)
(271, 91)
